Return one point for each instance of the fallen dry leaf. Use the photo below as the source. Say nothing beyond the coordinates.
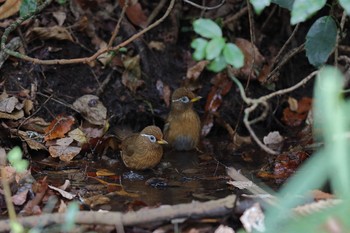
(297, 117)
(164, 92)
(156, 45)
(251, 56)
(9, 8)
(15, 115)
(92, 109)
(59, 127)
(60, 17)
(78, 135)
(63, 193)
(8, 105)
(131, 77)
(33, 139)
(44, 33)
(224, 229)
(96, 200)
(65, 153)
(195, 71)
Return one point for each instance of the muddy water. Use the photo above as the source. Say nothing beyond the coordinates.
(180, 178)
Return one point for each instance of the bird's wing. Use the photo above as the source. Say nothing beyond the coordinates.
(128, 145)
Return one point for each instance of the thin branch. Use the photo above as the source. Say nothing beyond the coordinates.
(340, 30)
(156, 11)
(117, 27)
(236, 16)
(84, 60)
(254, 103)
(205, 7)
(277, 57)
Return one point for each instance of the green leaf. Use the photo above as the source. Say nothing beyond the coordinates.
(346, 5)
(320, 40)
(27, 6)
(16, 227)
(288, 4)
(259, 5)
(21, 165)
(303, 9)
(233, 55)
(214, 48)
(207, 28)
(217, 65)
(14, 155)
(199, 45)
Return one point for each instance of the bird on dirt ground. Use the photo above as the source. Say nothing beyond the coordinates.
(140, 151)
(182, 127)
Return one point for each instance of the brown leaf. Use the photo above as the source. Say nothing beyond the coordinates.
(8, 105)
(135, 13)
(131, 77)
(15, 115)
(44, 33)
(60, 17)
(9, 8)
(78, 135)
(222, 85)
(195, 71)
(20, 198)
(92, 109)
(297, 117)
(32, 139)
(65, 153)
(63, 193)
(164, 91)
(98, 199)
(251, 56)
(59, 127)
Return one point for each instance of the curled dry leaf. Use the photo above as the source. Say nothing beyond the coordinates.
(63, 193)
(15, 115)
(44, 33)
(60, 17)
(156, 45)
(59, 127)
(33, 139)
(252, 56)
(92, 109)
(224, 229)
(9, 8)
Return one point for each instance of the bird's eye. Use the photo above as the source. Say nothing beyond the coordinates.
(152, 138)
(185, 99)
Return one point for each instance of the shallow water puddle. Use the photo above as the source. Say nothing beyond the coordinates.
(181, 177)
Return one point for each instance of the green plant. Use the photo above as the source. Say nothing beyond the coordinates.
(321, 38)
(213, 47)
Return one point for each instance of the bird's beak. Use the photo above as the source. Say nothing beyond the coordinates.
(196, 98)
(162, 141)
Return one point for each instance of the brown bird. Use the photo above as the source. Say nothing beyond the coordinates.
(182, 128)
(143, 150)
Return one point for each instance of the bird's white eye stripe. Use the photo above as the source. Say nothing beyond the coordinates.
(183, 99)
(150, 137)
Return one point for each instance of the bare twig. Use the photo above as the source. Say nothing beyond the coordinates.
(236, 16)
(285, 59)
(277, 57)
(254, 103)
(76, 60)
(14, 44)
(205, 7)
(156, 11)
(117, 27)
(340, 30)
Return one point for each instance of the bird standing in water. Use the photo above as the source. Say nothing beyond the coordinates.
(182, 128)
(143, 150)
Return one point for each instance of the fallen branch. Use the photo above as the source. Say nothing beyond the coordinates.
(163, 213)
